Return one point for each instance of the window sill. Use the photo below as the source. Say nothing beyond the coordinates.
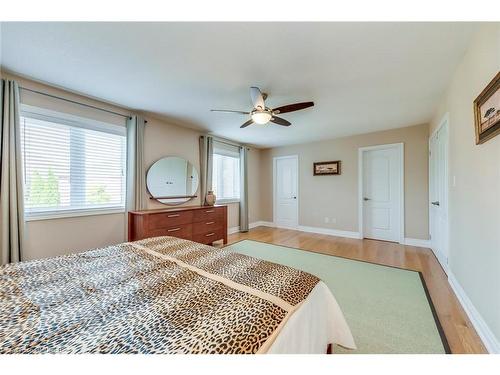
(227, 201)
(68, 214)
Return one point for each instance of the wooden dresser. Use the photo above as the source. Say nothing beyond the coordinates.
(203, 224)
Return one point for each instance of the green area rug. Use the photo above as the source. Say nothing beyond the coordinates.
(388, 309)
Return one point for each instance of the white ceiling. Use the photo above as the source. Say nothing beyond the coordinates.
(363, 77)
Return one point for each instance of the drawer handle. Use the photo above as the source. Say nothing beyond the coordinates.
(210, 222)
(176, 215)
(210, 234)
(209, 211)
(173, 230)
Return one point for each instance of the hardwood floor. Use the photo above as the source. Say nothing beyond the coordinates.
(459, 331)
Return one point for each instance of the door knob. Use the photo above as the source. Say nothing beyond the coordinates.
(294, 197)
(366, 199)
(436, 203)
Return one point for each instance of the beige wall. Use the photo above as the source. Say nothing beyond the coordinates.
(47, 238)
(53, 237)
(336, 196)
(474, 201)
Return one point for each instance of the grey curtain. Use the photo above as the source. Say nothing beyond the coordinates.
(243, 189)
(206, 160)
(136, 198)
(11, 175)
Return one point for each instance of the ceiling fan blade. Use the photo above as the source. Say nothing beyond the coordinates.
(229, 111)
(249, 122)
(257, 98)
(280, 121)
(292, 107)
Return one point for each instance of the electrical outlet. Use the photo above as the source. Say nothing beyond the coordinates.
(334, 220)
(327, 220)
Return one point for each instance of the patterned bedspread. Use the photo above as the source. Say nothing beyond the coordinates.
(159, 295)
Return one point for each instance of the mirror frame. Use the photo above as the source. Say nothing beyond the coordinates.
(162, 200)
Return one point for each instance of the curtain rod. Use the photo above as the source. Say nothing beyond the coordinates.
(227, 143)
(75, 102)
(222, 140)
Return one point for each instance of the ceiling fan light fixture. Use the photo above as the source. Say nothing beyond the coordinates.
(260, 114)
(261, 117)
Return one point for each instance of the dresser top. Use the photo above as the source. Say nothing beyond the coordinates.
(185, 208)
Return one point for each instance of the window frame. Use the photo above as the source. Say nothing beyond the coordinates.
(85, 123)
(235, 156)
(227, 200)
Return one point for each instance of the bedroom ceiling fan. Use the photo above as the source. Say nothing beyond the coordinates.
(260, 114)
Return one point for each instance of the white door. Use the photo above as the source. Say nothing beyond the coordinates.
(285, 191)
(381, 193)
(438, 193)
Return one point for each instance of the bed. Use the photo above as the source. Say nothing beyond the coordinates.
(165, 295)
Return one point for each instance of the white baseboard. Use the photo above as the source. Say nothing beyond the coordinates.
(330, 232)
(303, 228)
(441, 259)
(261, 224)
(233, 230)
(417, 242)
(490, 341)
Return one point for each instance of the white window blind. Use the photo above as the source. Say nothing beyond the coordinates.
(226, 172)
(71, 166)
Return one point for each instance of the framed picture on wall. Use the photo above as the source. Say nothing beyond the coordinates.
(324, 168)
(487, 112)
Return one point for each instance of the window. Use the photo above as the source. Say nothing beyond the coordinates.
(226, 172)
(71, 166)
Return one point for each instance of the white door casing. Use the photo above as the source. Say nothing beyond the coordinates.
(438, 192)
(285, 191)
(381, 192)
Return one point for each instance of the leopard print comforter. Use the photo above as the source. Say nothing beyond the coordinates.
(159, 295)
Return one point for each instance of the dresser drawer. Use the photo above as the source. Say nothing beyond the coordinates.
(202, 224)
(208, 214)
(169, 219)
(181, 231)
(208, 238)
(207, 226)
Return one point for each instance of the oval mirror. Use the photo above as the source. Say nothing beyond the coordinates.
(172, 180)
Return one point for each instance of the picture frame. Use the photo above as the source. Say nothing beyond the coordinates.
(327, 168)
(487, 112)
